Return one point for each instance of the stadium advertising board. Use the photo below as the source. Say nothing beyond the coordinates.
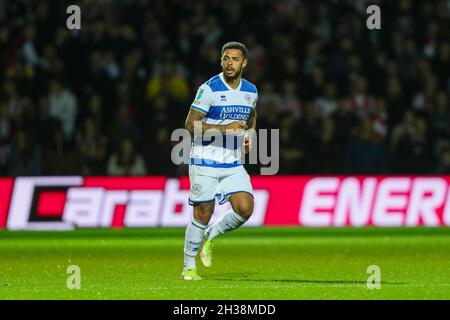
(64, 203)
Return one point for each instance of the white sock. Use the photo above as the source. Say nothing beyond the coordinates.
(229, 222)
(192, 241)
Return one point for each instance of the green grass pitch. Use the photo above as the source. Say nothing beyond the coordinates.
(250, 263)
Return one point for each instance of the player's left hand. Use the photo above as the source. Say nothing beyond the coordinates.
(247, 143)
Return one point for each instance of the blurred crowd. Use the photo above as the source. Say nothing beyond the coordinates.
(105, 99)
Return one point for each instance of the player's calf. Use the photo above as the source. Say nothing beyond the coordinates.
(242, 204)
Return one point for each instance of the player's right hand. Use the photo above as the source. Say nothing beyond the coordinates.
(236, 127)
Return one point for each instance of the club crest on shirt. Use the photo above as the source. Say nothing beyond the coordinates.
(196, 189)
(248, 98)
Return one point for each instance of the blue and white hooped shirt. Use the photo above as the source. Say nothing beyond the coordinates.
(222, 105)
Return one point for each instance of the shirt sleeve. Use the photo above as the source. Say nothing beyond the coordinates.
(203, 99)
(255, 100)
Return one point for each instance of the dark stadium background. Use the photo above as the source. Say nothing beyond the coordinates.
(363, 115)
(104, 100)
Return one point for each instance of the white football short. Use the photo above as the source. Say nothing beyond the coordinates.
(207, 183)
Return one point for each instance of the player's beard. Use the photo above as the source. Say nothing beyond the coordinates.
(237, 74)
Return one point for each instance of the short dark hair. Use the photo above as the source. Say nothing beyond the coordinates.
(235, 45)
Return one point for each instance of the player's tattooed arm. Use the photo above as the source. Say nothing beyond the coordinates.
(196, 118)
(251, 122)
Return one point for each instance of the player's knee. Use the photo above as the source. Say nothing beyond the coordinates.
(245, 209)
(203, 212)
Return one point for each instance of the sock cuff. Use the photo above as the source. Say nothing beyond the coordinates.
(187, 253)
(198, 224)
(238, 217)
